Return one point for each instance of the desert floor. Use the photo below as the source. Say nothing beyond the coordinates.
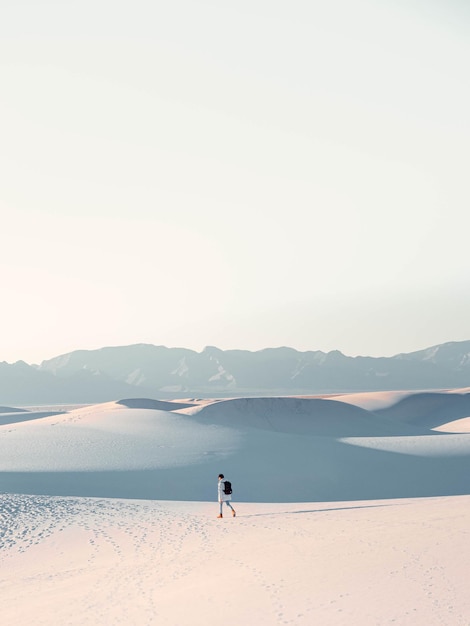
(110, 561)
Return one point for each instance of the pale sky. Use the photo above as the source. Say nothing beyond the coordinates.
(244, 174)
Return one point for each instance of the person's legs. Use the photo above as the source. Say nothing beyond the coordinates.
(229, 505)
(221, 504)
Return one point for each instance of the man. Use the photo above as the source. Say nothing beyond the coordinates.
(224, 497)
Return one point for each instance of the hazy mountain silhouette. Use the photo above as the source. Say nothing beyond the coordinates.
(145, 370)
(22, 385)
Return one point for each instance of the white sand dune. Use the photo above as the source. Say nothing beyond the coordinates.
(428, 409)
(372, 400)
(298, 416)
(456, 426)
(102, 562)
(329, 528)
(277, 449)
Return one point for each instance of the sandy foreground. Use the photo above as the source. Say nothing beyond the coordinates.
(67, 560)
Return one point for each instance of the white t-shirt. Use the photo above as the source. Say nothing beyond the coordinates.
(223, 497)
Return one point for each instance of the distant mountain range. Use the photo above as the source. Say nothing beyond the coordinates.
(144, 370)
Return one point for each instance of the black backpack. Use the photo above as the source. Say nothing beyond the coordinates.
(227, 487)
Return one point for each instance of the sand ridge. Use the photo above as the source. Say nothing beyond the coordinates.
(279, 449)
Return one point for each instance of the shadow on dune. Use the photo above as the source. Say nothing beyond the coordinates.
(268, 469)
(339, 508)
(428, 410)
(25, 416)
(156, 405)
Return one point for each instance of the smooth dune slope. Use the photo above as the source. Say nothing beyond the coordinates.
(429, 410)
(274, 449)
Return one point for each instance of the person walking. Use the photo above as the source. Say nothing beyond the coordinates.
(224, 497)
